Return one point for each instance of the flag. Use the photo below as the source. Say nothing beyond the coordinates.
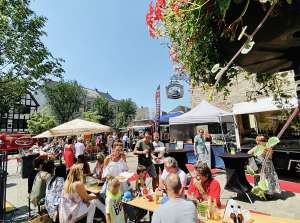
(157, 106)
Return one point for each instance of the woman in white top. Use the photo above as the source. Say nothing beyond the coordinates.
(75, 201)
(115, 164)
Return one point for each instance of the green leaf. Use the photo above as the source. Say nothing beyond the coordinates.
(250, 171)
(289, 1)
(223, 6)
(263, 185)
(273, 141)
(259, 149)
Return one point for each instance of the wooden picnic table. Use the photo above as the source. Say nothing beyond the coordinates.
(258, 218)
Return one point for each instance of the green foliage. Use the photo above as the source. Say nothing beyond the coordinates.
(40, 122)
(104, 110)
(195, 29)
(10, 93)
(250, 171)
(261, 188)
(24, 59)
(259, 150)
(91, 116)
(120, 120)
(273, 141)
(127, 110)
(65, 99)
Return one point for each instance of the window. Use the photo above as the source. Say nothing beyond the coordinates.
(3, 123)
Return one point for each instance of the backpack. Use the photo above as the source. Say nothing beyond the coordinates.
(39, 187)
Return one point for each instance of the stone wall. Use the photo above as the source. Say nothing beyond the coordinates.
(238, 94)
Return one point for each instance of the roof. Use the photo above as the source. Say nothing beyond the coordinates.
(96, 93)
(180, 108)
(75, 127)
(202, 113)
(263, 105)
(165, 118)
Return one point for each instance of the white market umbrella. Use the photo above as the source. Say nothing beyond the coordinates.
(75, 127)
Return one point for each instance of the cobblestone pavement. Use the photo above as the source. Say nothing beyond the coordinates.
(286, 206)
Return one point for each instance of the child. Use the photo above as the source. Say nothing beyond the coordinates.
(140, 182)
(113, 203)
(98, 170)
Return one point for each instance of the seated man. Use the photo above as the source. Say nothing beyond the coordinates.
(171, 166)
(176, 209)
(203, 186)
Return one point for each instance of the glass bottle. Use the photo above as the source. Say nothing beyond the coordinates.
(233, 216)
(240, 216)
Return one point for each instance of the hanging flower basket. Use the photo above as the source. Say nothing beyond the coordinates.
(211, 39)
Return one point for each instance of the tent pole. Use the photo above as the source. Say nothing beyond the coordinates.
(224, 138)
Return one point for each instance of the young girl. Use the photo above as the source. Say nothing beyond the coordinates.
(114, 211)
(98, 170)
(140, 182)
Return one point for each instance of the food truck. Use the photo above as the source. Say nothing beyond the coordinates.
(266, 117)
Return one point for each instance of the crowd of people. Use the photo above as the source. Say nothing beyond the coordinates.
(62, 187)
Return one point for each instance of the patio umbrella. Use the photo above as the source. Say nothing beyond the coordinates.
(75, 127)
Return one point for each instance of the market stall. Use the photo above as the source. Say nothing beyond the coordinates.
(164, 126)
(183, 129)
(75, 127)
(266, 117)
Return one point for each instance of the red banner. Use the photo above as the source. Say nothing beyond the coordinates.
(157, 104)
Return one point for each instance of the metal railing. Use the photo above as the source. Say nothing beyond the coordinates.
(3, 178)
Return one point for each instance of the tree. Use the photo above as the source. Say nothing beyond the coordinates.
(24, 59)
(65, 98)
(40, 122)
(91, 116)
(128, 108)
(120, 120)
(104, 109)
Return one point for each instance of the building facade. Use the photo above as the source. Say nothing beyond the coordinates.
(240, 91)
(16, 119)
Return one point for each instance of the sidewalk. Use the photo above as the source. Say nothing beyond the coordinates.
(287, 206)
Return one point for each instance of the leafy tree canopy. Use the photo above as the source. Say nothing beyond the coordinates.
(104, 110)
(24, 59)
(40, 122)
(65, 99)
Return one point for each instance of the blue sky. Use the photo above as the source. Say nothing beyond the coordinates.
(106, 46)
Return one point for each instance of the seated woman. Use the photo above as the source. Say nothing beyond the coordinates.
(75, 201)
(98, 170)
(39, 184)
(55, 186)
(203, 186)
(86, 167)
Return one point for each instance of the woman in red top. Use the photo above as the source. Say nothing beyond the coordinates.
(203, 186)
(69, 154)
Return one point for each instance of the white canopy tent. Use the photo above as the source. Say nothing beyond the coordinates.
(203, 113)
(74, 127)
(263, 105)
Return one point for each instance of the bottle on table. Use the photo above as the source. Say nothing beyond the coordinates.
(240, 216)
(233, 216)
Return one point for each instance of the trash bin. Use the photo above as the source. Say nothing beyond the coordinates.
(27, 164)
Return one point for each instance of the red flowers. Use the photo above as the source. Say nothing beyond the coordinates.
(155, 15)
(150, 20)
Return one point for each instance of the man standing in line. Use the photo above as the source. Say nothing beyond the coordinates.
(79, 147)
(200, 149)
(176, 209)
(143, 150)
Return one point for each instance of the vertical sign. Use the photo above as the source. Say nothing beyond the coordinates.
(157, 105)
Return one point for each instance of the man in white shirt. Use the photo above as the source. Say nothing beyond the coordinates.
(79, 147)
(171, 166)
(158, 153)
